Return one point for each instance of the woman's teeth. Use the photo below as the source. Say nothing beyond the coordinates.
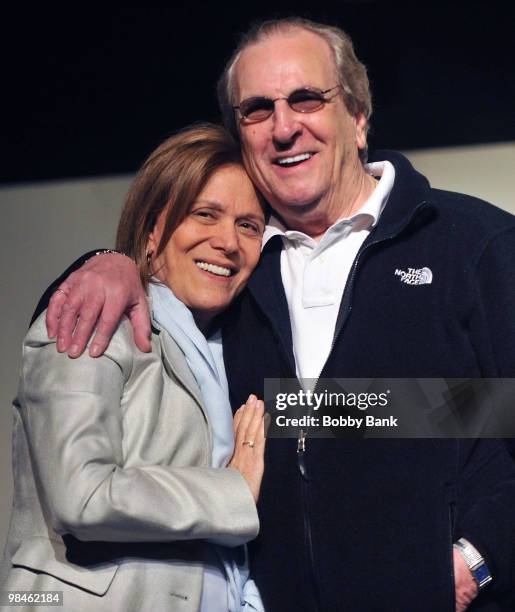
(295, 159)
(219, 270)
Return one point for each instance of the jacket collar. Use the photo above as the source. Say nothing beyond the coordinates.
(411, 193)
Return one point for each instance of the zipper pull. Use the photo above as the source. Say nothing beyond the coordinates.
(301, 442)
(301, 448)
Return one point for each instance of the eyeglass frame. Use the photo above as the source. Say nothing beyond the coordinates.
(274, 100)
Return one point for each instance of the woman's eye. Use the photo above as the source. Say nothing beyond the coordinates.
(203, 214)
(250, 229)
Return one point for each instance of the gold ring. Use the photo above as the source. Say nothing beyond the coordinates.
(249, 442)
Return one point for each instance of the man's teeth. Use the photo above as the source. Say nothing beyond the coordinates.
(293, 160)
(213, 269)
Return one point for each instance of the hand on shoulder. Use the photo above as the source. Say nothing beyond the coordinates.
(93, 300)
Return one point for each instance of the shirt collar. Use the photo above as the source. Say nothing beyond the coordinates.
(373, 207)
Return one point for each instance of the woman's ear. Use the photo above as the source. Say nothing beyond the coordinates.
(151, 244)
(154, 238)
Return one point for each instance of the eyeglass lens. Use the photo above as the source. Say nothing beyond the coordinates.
(300, 100)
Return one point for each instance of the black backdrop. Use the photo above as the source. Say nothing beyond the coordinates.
(92, 91)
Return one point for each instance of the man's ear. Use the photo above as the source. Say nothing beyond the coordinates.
(361, 131)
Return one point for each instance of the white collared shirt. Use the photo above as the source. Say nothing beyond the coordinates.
(314, 274)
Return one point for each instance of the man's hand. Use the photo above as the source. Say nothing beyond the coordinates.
(464, 583)
(249, 443)
(98, 294)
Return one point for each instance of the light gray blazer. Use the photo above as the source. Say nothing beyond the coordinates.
(114, 497)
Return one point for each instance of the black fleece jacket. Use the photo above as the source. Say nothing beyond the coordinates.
(372, 526)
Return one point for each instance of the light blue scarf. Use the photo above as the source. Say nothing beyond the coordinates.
(207, 367)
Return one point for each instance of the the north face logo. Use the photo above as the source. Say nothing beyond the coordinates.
(415, 276)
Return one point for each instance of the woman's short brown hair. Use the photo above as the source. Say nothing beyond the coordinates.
(171, 178)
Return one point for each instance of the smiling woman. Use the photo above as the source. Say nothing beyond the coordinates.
(209, 257)
(133, 485)
(198, 219)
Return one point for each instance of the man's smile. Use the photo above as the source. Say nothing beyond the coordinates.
(293, 160)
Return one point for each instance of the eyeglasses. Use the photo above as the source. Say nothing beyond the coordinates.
(304, 100)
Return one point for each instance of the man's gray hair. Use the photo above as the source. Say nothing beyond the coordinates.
(351, 73)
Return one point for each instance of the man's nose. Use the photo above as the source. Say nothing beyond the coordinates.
(287, 126)
(225, 238)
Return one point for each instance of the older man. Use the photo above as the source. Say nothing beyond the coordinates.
(351, 525)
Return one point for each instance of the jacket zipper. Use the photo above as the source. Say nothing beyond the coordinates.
(347, 294)
(304, 479)
(301, 441)
(301, 445)
(301, 462)
(346, 299)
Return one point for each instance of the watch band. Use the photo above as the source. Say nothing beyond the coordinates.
(475, 562)
(105, 252)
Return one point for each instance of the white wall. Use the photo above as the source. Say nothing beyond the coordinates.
(486, 172)
(46, 226)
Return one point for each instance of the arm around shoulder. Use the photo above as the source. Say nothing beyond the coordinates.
(93, 298)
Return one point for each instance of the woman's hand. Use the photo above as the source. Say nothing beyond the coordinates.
(249, 443)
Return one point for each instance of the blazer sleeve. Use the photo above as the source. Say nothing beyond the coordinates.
(73, 421)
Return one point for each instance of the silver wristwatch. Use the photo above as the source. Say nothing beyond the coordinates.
(475, 562)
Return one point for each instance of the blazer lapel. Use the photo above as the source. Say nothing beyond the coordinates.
(175, 362)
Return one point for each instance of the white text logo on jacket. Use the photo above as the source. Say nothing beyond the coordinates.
(415, 276)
